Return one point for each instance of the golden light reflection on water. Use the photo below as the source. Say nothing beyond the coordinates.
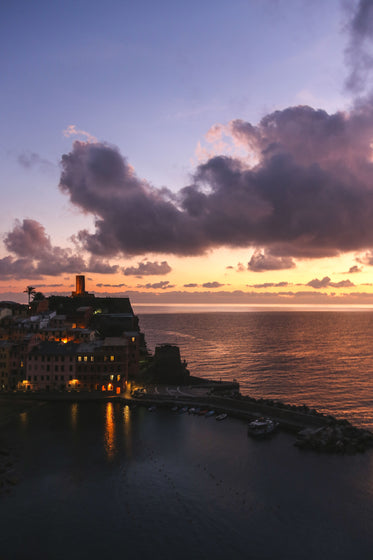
(74, 415)
(110, 431)
(127, 430)
(24, 419)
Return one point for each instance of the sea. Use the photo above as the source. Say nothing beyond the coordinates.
(107, 481)
(323, 359)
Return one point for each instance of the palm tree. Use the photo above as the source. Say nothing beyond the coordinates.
(29, 291)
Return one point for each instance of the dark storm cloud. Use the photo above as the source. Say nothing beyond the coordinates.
(367, 258)
(359, 50)
(269, 285)
(240, 267)
(212, 285)
(163, 285)
(131, 216)
(261, 262)
(36, 256)
(17, 268)
(28, 238)
(48, 286)
(326, 281)
(316, 283)
(310, 194)
(100, 285)
(354, 269)
(148, 269)
(100, 266)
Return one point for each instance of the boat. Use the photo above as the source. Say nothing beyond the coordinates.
(183, 410)
(209, 413)
(152, 408)
(262, 427)
(221, 416)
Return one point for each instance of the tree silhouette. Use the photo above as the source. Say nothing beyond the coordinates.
(29, 291)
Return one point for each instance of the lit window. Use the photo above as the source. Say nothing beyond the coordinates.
(85, 358)
(92, 359)
(79, 358)
(112, 358)
(133, 339)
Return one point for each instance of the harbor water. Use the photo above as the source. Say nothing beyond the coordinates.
(102, 480)
(321, 359)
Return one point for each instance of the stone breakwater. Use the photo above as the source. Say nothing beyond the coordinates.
(314, 430)
(320, 432)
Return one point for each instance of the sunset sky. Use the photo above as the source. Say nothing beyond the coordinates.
(188, 152)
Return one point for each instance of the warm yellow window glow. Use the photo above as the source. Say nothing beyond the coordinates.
(85, 358)
(118, 377)
(111, 377)
(112, 358)
(110, 387)
(79, 358)
(133, 339)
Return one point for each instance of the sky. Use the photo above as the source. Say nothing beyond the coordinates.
(188, 152)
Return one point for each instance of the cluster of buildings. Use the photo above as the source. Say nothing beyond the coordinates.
(81, 342)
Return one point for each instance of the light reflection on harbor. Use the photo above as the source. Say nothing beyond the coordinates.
(110, 432)
(74, 415)
(24, 419)
(127, 430)
(156, 482)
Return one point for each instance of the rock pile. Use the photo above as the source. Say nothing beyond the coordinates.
(338, 436)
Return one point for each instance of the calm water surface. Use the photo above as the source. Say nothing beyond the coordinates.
(103, 481)
(322, 359)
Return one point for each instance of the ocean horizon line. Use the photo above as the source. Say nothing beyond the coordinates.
(245, 308)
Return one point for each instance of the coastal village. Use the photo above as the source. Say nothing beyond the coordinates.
(82, 346)
(75, 343)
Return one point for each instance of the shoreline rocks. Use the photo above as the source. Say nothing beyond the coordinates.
(338, 436)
